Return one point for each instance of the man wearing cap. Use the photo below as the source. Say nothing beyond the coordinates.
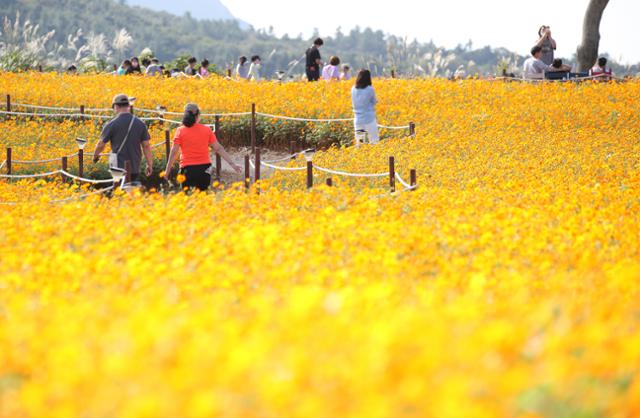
(128, 137)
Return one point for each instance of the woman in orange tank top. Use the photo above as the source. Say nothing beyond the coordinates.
(192, 141)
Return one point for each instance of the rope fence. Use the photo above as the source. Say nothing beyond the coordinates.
(81, 112)
(256, 163)
(604, 77)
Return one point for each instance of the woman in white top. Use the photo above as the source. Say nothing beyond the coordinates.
(364, 101)
(254, 69)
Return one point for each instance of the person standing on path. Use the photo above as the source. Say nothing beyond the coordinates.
(128, 137)
(547, 43)
(364, 101)
(192, 141)
(314, 60)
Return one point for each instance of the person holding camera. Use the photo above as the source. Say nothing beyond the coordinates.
(547, 43)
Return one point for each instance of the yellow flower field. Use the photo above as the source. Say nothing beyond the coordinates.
(506, 285)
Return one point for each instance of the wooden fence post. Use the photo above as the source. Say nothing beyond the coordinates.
(247, 172)
(82, 110)
(329, 182)
(292, 150)
(413, 181)
(9, 160)
(257, 168)
(65, 164)
(81, 162)
(216, 127)
(392, 174)
(229, 72)
(218, 166)
(309, 174)
(127, 174)
(167, 143)
(393, 73)
(253, 127)
(412, 128)
(8, 103)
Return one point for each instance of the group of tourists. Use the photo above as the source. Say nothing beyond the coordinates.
(193, 141)
(542, 60)
(314, 68)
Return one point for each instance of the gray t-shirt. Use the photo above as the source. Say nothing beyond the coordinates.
(242, 70)
(154, 69)
(547, 52)
(114, 132)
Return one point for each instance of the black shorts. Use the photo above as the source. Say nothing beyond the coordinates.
(197, 176)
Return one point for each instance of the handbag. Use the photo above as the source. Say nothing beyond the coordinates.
(113, 156)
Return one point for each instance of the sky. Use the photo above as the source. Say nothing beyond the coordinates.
(499, 23)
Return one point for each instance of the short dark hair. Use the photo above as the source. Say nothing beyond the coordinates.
(346, 67)
(155, 60)
(557, 63)
(318, 42)
(242, 59)
(364, 79)
(205, 63)
(334, 61)
(255, 58)
(602, 62)
(146, 62)
(134, 59)
(126, 62)
(535, 50)
(192, 60)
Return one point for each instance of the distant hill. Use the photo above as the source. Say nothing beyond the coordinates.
(170, 36)
(198, 9)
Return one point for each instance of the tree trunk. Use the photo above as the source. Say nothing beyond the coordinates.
(588, 50)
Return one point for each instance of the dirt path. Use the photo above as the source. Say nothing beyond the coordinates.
(228, 175)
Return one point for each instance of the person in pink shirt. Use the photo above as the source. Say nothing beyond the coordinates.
(601, 70)
(345, 75)
(204, 69)
(331, 71)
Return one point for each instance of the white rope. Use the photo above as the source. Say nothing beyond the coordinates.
(55, 115)
(540, 80)
(399, 128)
(30, 106)
(344, 173)
(84, 179)
(2, 164)
(406, 185)
(204, 115)
(51, 160)
(29, 176)
(66, 199)
(267, 115)
(162, 119)
(277, 167)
